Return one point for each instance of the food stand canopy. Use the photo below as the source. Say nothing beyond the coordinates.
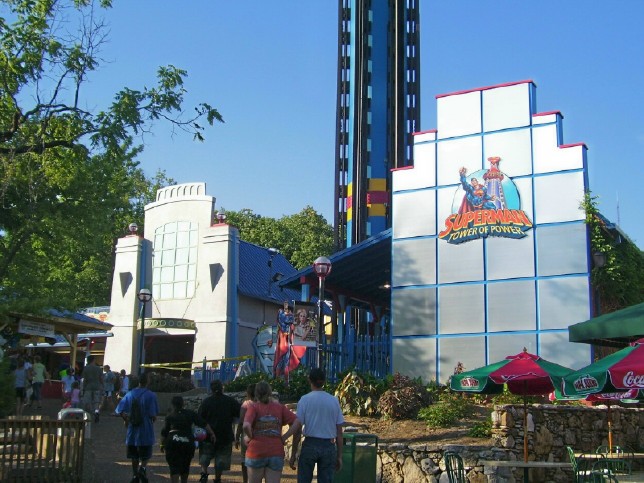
(67, 324)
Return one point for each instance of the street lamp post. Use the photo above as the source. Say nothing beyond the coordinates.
(322, 267)
(144, 297)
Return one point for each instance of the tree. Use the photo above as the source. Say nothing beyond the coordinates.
(69, 179)
(301, 238)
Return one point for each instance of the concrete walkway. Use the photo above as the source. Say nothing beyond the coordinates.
(105, 460)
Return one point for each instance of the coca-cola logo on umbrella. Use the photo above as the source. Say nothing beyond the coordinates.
(633, 380)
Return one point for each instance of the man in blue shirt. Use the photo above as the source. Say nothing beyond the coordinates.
(140, 437)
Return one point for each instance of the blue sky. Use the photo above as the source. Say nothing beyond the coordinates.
(270, 69)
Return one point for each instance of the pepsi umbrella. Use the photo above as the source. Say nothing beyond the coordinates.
(524, 374)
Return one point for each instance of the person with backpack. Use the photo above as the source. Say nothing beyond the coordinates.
(139, 409)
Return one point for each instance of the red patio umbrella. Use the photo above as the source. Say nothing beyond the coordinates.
(524, 374)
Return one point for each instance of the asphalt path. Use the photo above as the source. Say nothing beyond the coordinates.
(105, 460)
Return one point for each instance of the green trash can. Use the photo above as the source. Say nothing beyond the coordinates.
(359, 453)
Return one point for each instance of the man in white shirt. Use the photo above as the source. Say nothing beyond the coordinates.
(320, 416)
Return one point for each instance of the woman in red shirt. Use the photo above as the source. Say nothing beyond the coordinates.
(263, 436)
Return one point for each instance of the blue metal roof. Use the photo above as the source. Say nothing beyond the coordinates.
(361, 272)
(258, 274)
(67, 314)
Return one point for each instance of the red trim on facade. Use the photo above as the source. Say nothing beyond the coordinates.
(548, 113)
(573, 145)
(487, 88)
(402, 168)
(424, 132)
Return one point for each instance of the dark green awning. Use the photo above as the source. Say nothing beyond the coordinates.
(616, 329)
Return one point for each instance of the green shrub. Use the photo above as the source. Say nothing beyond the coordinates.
(404, 398)
(158, 382)
(241, 383)
(298, 384)
(506, 397)
(482, 429)
(446, 411)
(357, 396)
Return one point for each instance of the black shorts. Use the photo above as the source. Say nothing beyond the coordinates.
(139, 452)
(179, 453)
(21, 392)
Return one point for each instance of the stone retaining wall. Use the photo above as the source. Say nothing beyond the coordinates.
(550, 429)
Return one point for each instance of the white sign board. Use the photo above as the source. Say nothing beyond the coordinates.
(36, 328)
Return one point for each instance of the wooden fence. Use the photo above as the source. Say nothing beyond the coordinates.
(37, 449)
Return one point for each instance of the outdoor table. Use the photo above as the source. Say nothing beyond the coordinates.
(526, 465)
(634, 477)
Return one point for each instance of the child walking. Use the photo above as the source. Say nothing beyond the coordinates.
(75, 395)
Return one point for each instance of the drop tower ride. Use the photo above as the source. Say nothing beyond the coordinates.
(378, 110)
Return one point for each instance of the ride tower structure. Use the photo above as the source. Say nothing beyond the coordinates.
(378, 110)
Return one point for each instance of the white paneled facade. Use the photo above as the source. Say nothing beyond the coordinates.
(495, 258)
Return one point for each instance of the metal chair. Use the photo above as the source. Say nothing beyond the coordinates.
(602, 472)
(620, 459)
(454, 467)
(581, 466)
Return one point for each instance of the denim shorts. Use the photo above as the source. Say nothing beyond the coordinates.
(221, 455)
(275, 463)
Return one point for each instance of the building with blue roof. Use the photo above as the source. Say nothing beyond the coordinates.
(211, 291)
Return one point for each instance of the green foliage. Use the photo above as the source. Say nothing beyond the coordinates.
(7, 395)
(404, 398)
(241, 383)
(301, 238)
(357, 396)
(449, 408)
(163, 382)
(506, 397)
(481, 429)
(621, 280)
(69, 180)
(298, 384)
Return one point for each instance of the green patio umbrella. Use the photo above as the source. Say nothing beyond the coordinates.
(617, 373)
(524, 374)
(620, 371)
